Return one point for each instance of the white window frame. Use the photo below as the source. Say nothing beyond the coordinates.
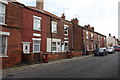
(54, 28)
(2, 13)
(34, 27)
(66, 26)
(54, 46)
(36, 39)
(92, 36)
(67, 46)
(6, 48)
(87, 37)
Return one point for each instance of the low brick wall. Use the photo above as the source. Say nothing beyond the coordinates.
(89, 52)
(30, 57)
(77, 53)
(51, 57)
(57, 56)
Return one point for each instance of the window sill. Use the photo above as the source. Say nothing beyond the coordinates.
(3, 24)
(36, 52)
(4, 56)
(66, 34)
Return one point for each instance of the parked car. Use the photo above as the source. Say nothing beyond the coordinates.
(100, 52)
(110, 50)
(117, 48)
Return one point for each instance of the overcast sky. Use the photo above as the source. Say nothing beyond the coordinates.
(101, 14)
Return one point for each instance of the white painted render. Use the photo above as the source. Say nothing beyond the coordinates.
(111, 41)
(49, 45)
(36, 34)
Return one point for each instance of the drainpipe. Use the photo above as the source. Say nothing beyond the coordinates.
(51, 31)
(72, 34)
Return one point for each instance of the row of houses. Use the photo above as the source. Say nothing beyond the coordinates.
(28, 32)
(112, 41)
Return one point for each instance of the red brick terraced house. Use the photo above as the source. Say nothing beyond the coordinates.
(10, 33)
(53, 34)
(28, 32)
(34, 33)
(92, 40)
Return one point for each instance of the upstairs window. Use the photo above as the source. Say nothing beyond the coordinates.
(37, 23)
(2, 13)
(54, 27)
(65, 29)
(87, 35)
(92, 36)
(99, 38)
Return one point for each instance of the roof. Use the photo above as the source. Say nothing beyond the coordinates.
(48, 13)
(94, 32)
(52, 15)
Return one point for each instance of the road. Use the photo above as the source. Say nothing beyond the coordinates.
(83, 67)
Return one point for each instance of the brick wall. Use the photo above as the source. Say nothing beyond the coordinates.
(14, 23)
(78, 38)
(14, 15)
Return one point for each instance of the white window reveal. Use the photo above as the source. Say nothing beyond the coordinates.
(37, 23)
(2, 13)
(36, 45)
(65, 29)
(54, 27)
(26, 47)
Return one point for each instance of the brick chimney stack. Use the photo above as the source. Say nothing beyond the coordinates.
(40, 4)
(75, 21)
(109, 34)
(63, 16)
(92, 28)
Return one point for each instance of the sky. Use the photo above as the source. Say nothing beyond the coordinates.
(100, 14)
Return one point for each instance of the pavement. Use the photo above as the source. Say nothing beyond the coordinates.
(34, 66)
